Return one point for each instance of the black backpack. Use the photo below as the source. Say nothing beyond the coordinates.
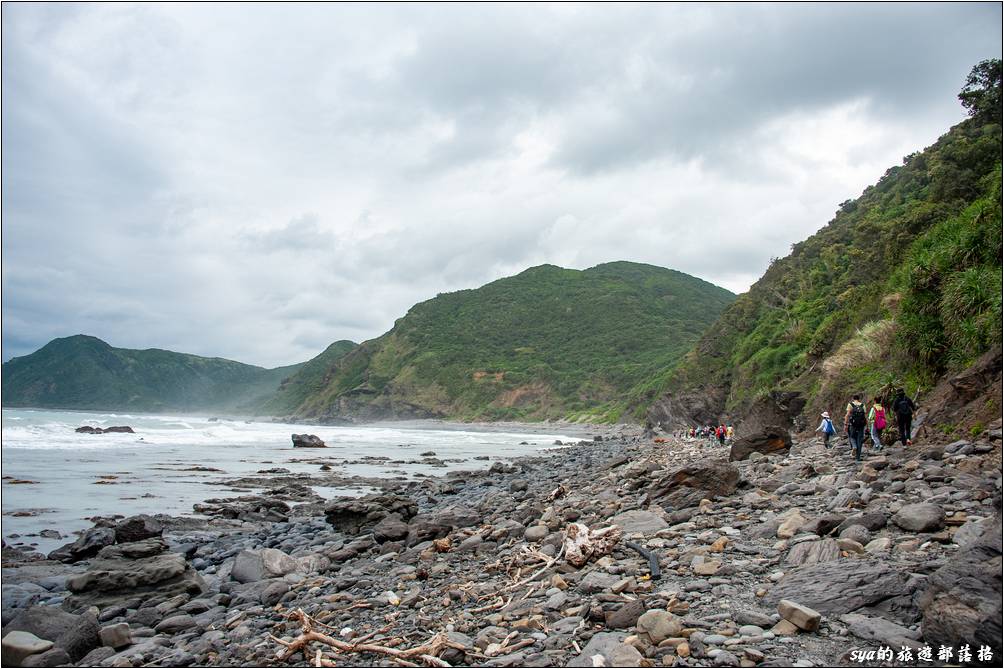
(858, 418)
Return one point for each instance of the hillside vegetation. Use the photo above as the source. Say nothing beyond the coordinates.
(309, 378)
(83, 372)
(901, 287)
(547, 343)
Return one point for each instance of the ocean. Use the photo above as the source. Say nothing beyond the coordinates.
(54, 478)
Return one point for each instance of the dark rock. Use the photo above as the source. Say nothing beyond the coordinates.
(778, 408)
(686, 486)
(176, 624)
(822, 525)
(75, 634)
(138, 528)
(89, 543)
(812, 552)
(246, 507)
(112, 579)
(391, 528)
(96, 656)
(872, 521)
(352, 515)
(771, 440)
(54, 657)
(626, 616)
(843, 586)
(426, 527)
(922, 517)
(307, 441)
(962, 602)
(87, 429)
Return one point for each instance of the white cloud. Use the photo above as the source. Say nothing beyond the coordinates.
(256, 181)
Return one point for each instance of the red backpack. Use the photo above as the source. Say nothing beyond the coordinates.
(879, 418)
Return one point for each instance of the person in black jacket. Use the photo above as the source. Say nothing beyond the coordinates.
(904, 407)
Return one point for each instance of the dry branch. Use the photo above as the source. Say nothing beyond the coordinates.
(428, 652)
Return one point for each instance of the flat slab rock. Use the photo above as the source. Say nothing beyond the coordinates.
(842, 586)
(639, 522)
(611, 651)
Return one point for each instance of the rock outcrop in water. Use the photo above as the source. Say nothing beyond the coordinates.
(88, 429)
(307, 441)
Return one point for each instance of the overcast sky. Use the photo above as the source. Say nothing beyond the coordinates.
(257, 181)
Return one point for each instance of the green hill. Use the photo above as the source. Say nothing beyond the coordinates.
(83, 372)
(901, 287)
(310, 378)
(547, 343)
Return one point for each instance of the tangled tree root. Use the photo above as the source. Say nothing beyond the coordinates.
(428, 653)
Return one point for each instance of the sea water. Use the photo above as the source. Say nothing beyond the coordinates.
(55, 478)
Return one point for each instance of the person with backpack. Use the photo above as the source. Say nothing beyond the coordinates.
(904, 407)
(721, 435)
(876, 418)
(826, 427)
(855, 421)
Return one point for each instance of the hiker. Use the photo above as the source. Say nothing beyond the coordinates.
(904, 407)
(826, 427)
(721, 435)
(876, 419)
(729, 432)
(854, 424)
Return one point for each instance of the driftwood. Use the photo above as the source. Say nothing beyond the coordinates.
(653, 560)
(582, 544)
(428, 653)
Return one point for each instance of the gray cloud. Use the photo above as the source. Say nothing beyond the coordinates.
(256, 181)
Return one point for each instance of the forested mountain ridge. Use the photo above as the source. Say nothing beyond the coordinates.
(84, 372)
(902, 287)
(546, 343)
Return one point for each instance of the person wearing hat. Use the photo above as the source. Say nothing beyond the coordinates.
(826, 427)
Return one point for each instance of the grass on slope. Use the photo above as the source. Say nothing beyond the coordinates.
(549, 342)
(920, 249)
(83, 372)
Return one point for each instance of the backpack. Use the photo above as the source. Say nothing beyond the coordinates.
(858, 418)
(879, 418)
(828, 427)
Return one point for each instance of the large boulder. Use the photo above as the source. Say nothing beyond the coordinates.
(686, 486)
(772, 440)
(75, 634)
(252, 508)
(921, 517)
(813, 552)
(258, 565)
(18, 645)
(138, 569)
(391, 528)
(778, 408)
(89, 543)
(962, 602)
(844, 586)
(351, 516)
(307, 441)
(607, 649)
(639, 522)
(138, 528)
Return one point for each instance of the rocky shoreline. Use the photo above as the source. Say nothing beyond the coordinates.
(799, 558)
